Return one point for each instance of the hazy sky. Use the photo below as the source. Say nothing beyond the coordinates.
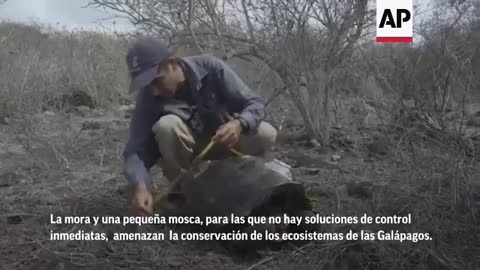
(70, 13)
(74, 14)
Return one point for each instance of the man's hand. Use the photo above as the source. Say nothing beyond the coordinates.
(142, 200)
(229, 133)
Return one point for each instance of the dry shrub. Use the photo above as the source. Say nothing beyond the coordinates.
(42, 68)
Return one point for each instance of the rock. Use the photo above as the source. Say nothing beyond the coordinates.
(124, 100)
(452, 116)
(340, 140)
(378, 148)
(9, 179)
(60, 266)
(311, 162)
(126, 110)
(359, 189)
(82, 111)
(315, 143)
(409, 103)
(312, 171)
(91, 125)
(472, 132)
(98, 112)
(15, 219)
(174, 261)
(68, 100)
(476, 191)
(78, 98)
(472, 109)
(474, 120)
(335, 158)
(4, 121)
(329, 165)
(49, 113)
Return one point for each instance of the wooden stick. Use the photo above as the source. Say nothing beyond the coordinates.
(260, 263)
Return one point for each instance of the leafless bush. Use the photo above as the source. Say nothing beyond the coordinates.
(307, 44)
(42, 67)
(51, 70)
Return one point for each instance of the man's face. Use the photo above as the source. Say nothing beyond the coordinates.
(167, 82)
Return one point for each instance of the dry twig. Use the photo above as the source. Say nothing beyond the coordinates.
(264, 261)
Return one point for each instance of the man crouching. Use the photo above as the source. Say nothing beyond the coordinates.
(182, 104)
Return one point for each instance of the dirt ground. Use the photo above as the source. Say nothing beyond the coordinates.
(71, 165)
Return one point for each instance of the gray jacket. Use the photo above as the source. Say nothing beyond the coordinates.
(215, 88)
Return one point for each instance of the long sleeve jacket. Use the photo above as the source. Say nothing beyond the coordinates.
(215, 88)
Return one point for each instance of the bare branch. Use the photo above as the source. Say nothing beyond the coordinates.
(247, 18)
(292, 38)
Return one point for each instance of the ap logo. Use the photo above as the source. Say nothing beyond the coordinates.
(394, 21)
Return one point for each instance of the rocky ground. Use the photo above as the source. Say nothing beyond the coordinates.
(70, 164)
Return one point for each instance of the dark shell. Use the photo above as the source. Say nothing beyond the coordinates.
(241, 186)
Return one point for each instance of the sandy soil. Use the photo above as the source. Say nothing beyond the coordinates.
(72, 166)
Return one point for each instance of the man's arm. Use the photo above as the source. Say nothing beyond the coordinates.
(135, 151)
(239, 96)
(136, 171)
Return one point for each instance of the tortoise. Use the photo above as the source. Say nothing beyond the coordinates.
(243, 186)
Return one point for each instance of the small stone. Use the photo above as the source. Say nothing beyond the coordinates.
(4, 121)
(174, 261)
(378, 148)
(60, 266)
(83, 110)
(98, 112)
(49, 113)
(125, 108)
(336, 157)
(315, 143)
(91, 125)
(15, 219)
(359, 189)
(474, 121)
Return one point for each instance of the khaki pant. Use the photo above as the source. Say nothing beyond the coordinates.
(178, 146)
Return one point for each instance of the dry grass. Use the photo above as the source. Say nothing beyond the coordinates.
(41, 68)
(419, 177)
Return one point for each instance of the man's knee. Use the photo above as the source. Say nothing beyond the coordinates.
(267, 135)
(167, 125)
(261, 143)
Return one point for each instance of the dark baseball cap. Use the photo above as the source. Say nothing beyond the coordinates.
(143, 59)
